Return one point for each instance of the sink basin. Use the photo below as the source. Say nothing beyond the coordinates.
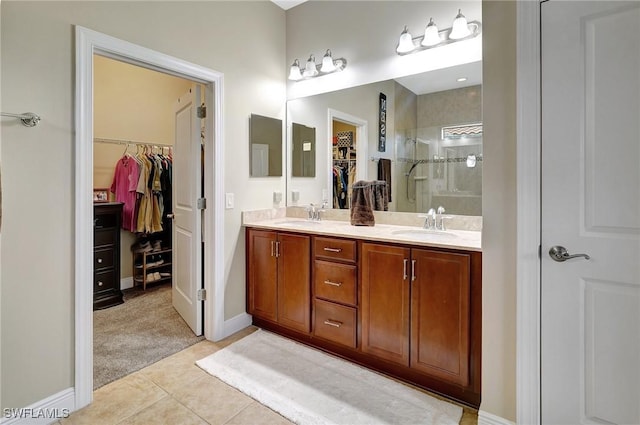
(301, 223)
(425, 234)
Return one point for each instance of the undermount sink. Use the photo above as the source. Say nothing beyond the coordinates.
(297, 223)
(425, 234)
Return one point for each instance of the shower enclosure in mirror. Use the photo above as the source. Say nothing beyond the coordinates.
(430, 165)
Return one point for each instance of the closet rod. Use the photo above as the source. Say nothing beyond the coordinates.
(29, 119)
(129, 142)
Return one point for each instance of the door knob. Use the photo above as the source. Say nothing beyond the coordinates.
(560, 254)
(171, 216)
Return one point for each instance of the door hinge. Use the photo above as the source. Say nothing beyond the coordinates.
(202, 111)
(202, 294)
(201, 204)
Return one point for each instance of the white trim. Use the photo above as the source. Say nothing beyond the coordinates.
(236, 323)
(89, 42)
(126, 282)
(486, 418)
(60, 404)
(362, 143)
(528, 374)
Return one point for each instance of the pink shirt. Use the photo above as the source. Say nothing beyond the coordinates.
(125, 182)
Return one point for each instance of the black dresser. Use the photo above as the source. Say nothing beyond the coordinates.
(106, 254)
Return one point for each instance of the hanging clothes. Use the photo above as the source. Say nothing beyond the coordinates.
(125, 181)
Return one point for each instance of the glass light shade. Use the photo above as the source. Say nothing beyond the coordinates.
(431, 36)
(405, 45)
(460, 29)
(310, 70)
(471, 161)
(294, 71)
(327, 63)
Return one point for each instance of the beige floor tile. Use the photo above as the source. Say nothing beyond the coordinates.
(258, 414)
(173, 373)
(117, 401)
(166, 411)
(212, 399)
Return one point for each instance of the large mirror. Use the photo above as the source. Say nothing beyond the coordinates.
(433, 147)
(265, 144)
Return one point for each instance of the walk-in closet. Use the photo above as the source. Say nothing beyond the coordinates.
(135, 323)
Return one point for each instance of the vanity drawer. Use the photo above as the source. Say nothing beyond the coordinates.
(104, 281)
(334, 249)
(335, 322)
(103, 258)
(335, 282)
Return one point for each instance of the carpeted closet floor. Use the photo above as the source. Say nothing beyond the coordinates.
(143, 330)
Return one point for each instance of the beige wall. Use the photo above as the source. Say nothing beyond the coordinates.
(37, 70)
(499, 209)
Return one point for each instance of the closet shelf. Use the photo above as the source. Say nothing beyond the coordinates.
(157, 266)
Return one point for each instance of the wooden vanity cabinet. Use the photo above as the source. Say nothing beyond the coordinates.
(335, 279)
(278, 271)
(416, 310)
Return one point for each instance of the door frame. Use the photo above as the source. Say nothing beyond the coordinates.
(88, 43)
(362, 142)
(529, 176)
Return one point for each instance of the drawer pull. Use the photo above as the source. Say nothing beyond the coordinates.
(328, 282)
(333, 249)
(99, 260)
(100, 283)
(333, 323)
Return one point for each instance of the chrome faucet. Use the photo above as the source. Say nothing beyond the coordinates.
(440, 219)
(430, 222)
(313, 212)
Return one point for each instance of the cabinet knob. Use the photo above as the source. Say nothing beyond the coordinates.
(99, 260)
(100, 283)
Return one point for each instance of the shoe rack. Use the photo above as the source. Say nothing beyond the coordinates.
(151, 266)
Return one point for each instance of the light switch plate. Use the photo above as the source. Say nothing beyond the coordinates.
(228, 201)
(277, 197)
(295, 195)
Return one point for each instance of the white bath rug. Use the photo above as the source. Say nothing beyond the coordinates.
(308, 386)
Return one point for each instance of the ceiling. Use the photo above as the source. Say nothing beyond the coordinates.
(287, 4)
(443, 79)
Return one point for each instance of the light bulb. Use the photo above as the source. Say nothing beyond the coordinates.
(310, 70)
(405, 45)
(294, 71)
(431, 36)
(327, 63)
(460, 29)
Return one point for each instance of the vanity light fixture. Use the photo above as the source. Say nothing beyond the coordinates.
(311, 69)
(460, 30)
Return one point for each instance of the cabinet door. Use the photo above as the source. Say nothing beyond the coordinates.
(440, 298)
(262, 272)
(385, 302)
(294, 281)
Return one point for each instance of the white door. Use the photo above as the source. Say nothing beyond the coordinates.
(187, 226)
(591, 205)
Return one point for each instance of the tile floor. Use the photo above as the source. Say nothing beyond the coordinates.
(175, 391)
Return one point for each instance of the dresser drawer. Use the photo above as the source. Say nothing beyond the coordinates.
(103, 258)
(102, 221)
(104, 237)
(335, 322)
(335, 282)
(334, 249)
(104, 280)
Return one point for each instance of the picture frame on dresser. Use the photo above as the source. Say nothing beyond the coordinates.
(100, 195)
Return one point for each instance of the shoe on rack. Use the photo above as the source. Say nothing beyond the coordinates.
(156, 276)
(157, 245)
(151, 277)
(141, 247)
(165, 274)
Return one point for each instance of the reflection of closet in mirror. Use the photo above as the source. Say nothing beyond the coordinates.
(344, 156)
(303, 155)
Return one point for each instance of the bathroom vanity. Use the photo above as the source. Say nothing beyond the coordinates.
(397, 299)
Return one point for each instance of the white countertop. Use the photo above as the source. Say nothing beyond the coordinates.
(453, 239)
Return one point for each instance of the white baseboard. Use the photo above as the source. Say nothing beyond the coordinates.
(126, 282)
(43, 412)
(486, 418)
(236, 324)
